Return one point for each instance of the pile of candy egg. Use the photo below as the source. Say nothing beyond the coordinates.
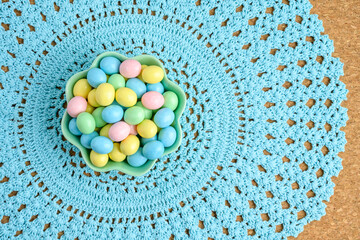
(122, 111)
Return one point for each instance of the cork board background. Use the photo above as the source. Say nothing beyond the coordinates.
(341, 20)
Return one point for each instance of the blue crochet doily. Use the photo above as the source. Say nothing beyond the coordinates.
(261, 127)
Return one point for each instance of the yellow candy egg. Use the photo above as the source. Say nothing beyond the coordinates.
(130, 145)
(105, 130)
(147, 129)
(91, 98)
(116, 155)
(99, 160)
(89, 108)
(142, 68)
(105, 94)
(126, 97)
(152, 74)
(82, 88)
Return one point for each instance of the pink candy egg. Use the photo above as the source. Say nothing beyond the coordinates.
(133, 130)
(152, 100)
(130, 68)
(119, 131)
(76, 106)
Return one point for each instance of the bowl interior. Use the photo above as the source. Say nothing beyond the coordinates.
(123, 166)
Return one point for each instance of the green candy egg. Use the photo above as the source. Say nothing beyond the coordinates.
(85, 123)
(171, 100)
(117, 81)
(147, 112)
(98, 118)
(134, 115)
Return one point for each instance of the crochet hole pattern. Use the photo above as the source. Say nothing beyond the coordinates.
(261, 127)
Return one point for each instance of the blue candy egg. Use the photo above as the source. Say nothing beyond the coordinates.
(146, 140)
(95, 77)
(137, 159)
(164, 117)
(86, 139)
(157, 87)
(137, 86)
(73, 127)
(112, 114)
(167, 136)
(153, 150)
(102, 145)
(110, 65)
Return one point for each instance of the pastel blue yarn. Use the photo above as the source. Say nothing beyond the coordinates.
(261, 126)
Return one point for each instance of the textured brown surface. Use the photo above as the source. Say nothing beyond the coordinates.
(341, 19)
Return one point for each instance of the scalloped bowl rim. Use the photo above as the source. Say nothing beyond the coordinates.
(123, 166)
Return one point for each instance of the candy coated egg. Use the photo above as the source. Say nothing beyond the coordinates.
(147, 129)
(152, 100)
(153, 150)
(85, 123)
(89, 108)
(137, 159)
(171, 100)
(95, 77)
(167, 136)
(99, 160)
(86, 139)
(82, 88)
(110, 65)
(157, 87)
(133, 130)
(112, 114)
(134, 115)
(126, 97)
(92, 100)
(102, 145)
(119, 131)
(130, 145)
(130, 68)
(164, 117)
(152, 74)
(105, 94)
(140, 75)
(116, 155)
(146, 140)
(147, 112)
(76, 105)
(117, 81)
(73, 128)
(97, 114)
(137, 86)
(104, 131)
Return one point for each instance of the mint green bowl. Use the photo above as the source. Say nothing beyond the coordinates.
(123, 166)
